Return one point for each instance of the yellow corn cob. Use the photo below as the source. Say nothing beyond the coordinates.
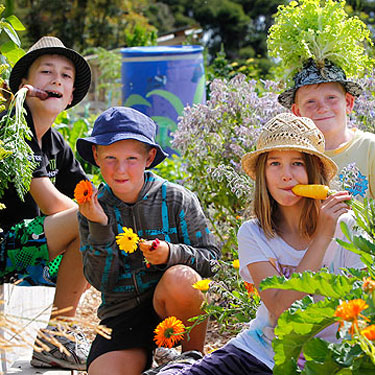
(312, 191)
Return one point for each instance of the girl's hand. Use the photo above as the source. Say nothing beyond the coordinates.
(331, 209)
(92, 210)
(159, 255)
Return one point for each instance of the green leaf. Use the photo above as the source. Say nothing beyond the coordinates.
(173, 99)
(320, 358)
(15, 22)
(319, 283)
(199, 91)
(296, 327)
(136, 99)
(11, 51)
(345, 230)
(11, 33)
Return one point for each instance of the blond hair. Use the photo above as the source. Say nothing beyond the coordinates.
(265, 208)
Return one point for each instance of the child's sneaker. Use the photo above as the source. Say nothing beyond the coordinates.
(78, 349)
(164, 355)
(186, 358)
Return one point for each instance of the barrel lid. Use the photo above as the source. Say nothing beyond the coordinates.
(160, 50)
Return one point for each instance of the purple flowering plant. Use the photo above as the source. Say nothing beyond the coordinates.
(213, 137)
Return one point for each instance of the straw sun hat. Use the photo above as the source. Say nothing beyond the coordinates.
(49, 45)
(287, 132)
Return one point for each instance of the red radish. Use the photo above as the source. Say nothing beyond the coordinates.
(155, 244)
(33, 91)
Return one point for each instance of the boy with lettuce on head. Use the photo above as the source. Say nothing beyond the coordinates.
(318, 45)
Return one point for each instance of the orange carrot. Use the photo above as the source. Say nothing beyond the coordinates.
(322, 192)
(312, 191)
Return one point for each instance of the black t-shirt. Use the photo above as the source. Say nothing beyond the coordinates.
(54, 160)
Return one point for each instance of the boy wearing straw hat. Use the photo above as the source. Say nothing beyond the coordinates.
(45, 224)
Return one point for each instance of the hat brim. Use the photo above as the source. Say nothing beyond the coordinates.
(286, 98)
(82, 70)
(84, 146)
(249, 160)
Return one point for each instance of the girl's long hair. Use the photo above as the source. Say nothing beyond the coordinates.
(265, 207)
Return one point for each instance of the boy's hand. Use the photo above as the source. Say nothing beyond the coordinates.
(158, 255)
(93, 211)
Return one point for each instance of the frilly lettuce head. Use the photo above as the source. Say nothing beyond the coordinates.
(319, 30)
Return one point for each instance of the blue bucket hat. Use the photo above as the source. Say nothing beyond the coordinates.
(119, 123)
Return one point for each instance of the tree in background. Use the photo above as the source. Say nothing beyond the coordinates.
(81, 23)
(239, 25)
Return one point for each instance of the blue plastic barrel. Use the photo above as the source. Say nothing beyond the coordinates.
(160, 81)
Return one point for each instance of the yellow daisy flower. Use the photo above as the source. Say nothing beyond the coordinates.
(128, 240)
(202, 285)
(236, 264)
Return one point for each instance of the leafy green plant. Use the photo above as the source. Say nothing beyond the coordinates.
(348, 298)
(16, 168)
(319, 30)
(172, 169)
(108, 78)
(74, 127)
(231, 302)
(11, 49)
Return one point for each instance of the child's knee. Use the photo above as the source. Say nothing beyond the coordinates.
(178, 280)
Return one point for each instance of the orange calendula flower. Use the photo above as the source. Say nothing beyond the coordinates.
(202, 285)
(350, 311)
(128, 240)
(236, 264)
(369, 332)
(251, 290)
(368, 285)
(83, 191)
(169, 332)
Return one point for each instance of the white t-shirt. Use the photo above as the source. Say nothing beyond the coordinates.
(253, 246)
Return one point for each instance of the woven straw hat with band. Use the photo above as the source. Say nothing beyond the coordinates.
(289, 132)
(49, 45)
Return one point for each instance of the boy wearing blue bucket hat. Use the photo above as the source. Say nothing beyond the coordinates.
(142, 287)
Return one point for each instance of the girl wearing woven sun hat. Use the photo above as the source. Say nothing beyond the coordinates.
(45, 225)
(287, 234)
(319, 55)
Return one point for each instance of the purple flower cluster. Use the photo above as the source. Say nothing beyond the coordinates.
(226, 127)
(363, 115)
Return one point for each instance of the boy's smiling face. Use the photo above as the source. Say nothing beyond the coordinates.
(327, 104)
(122, 165)
(54, 74)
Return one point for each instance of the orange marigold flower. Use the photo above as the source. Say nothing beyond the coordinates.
(128, 240)
(369, 332)
(236, 264)
(251, 290)
(368, 285)
(350, 311)
(83, 191)
(169, 332)
(202, 285)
